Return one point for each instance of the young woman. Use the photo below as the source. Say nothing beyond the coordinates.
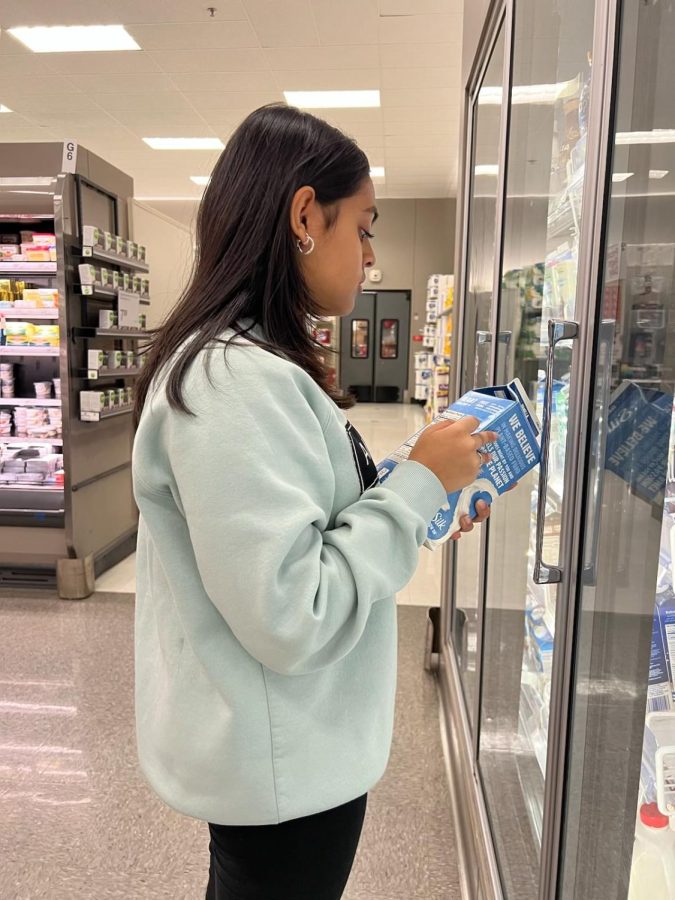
(268, 555)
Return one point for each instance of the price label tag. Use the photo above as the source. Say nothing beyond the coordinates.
(87, 290)
(87, 251)
(87, 416)
(92, 374)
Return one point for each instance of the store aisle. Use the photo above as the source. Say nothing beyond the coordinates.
(77, 821)
(383, 426)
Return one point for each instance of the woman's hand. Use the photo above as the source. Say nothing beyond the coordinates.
(466, 523)
(453, 451)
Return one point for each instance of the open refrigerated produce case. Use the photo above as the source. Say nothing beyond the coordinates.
(557, 629)
(66, 503)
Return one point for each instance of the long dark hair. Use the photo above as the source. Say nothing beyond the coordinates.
(246, 261)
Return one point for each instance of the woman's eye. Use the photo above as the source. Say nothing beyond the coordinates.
(366, 234)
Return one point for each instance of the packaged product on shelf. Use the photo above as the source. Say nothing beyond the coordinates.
(9, 251)
(112, 397)
(46, 336)
(108, 241)
(659, 689)
(105, 277)
(107, 318)
(96, 359)
(19, 334)
(5, 423)
(142, 253)
(43, 390)
(136, 284)
(115, 359)
(121, 396)
(505, 409)
(132, 249)
(57, 390)
(10, 238)
(88, 274)
(38, 298)
(142, 321)
(145, 287)
(44, 240)
(124, 281)
(114, 277)
(92, 236)
(94, 401)
(120, 246)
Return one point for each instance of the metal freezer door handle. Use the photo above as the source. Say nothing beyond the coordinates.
(558, 330)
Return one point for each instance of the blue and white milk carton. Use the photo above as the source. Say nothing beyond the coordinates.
(505, 409)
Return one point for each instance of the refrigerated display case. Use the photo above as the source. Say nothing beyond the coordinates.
(558, 616)
(67, 510)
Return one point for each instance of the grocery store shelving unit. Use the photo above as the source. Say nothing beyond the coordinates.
(65, 535)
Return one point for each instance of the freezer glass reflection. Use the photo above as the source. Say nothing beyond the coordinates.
(477, 323)
(621, 781)
(542, 228)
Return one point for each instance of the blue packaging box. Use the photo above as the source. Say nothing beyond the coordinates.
(505, 409)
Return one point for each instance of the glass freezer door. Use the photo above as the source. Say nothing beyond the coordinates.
(619, 827)
(543, 224)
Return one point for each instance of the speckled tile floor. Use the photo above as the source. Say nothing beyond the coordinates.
(77, 821)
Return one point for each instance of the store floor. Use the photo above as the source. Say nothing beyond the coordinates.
(78, 822)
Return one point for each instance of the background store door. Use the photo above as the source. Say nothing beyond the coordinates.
(374, 347)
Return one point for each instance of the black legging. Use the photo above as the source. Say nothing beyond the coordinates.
(303, 859)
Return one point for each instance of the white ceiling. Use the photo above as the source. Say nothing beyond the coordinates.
(199, 76)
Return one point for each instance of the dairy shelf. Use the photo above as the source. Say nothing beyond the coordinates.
(29, 313)
(29, 351)
(95, 292)
(28, 401)
(132, 333)
(91, 416)
(8, 267)
(123, 261)
(96, 374)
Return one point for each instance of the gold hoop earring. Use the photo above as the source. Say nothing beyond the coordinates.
(308, 243)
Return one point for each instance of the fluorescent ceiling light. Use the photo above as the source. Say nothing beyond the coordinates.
(486, 170)
(332, 99)
(200, 179)
(658, 173)
(528, 93)
(203, 143)
(75, 38)
(377, 171)
(4, 108)
(656, 136)
(621, 176)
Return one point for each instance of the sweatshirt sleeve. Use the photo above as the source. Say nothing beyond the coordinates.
(255, 483)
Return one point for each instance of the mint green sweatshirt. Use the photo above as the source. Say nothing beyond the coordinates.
(265, 609)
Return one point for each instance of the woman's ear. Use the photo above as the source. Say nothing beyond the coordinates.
(303, 206)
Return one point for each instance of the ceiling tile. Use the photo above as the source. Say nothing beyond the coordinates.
(418, 7)
(209, 36)
(248, 100)
(76, 64)
(283, 24)
(430, 97)
(328, 79)
(346, 22)
(225, 81)
(251, 59)
(155, 11)
(64, 12)
(419, 115)
(314, 58)
(127, 83)
(171, 101)
(17, 86)
(414, 55)
(22, 65)
(422, 78)
(47, 103)
(157, 125)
